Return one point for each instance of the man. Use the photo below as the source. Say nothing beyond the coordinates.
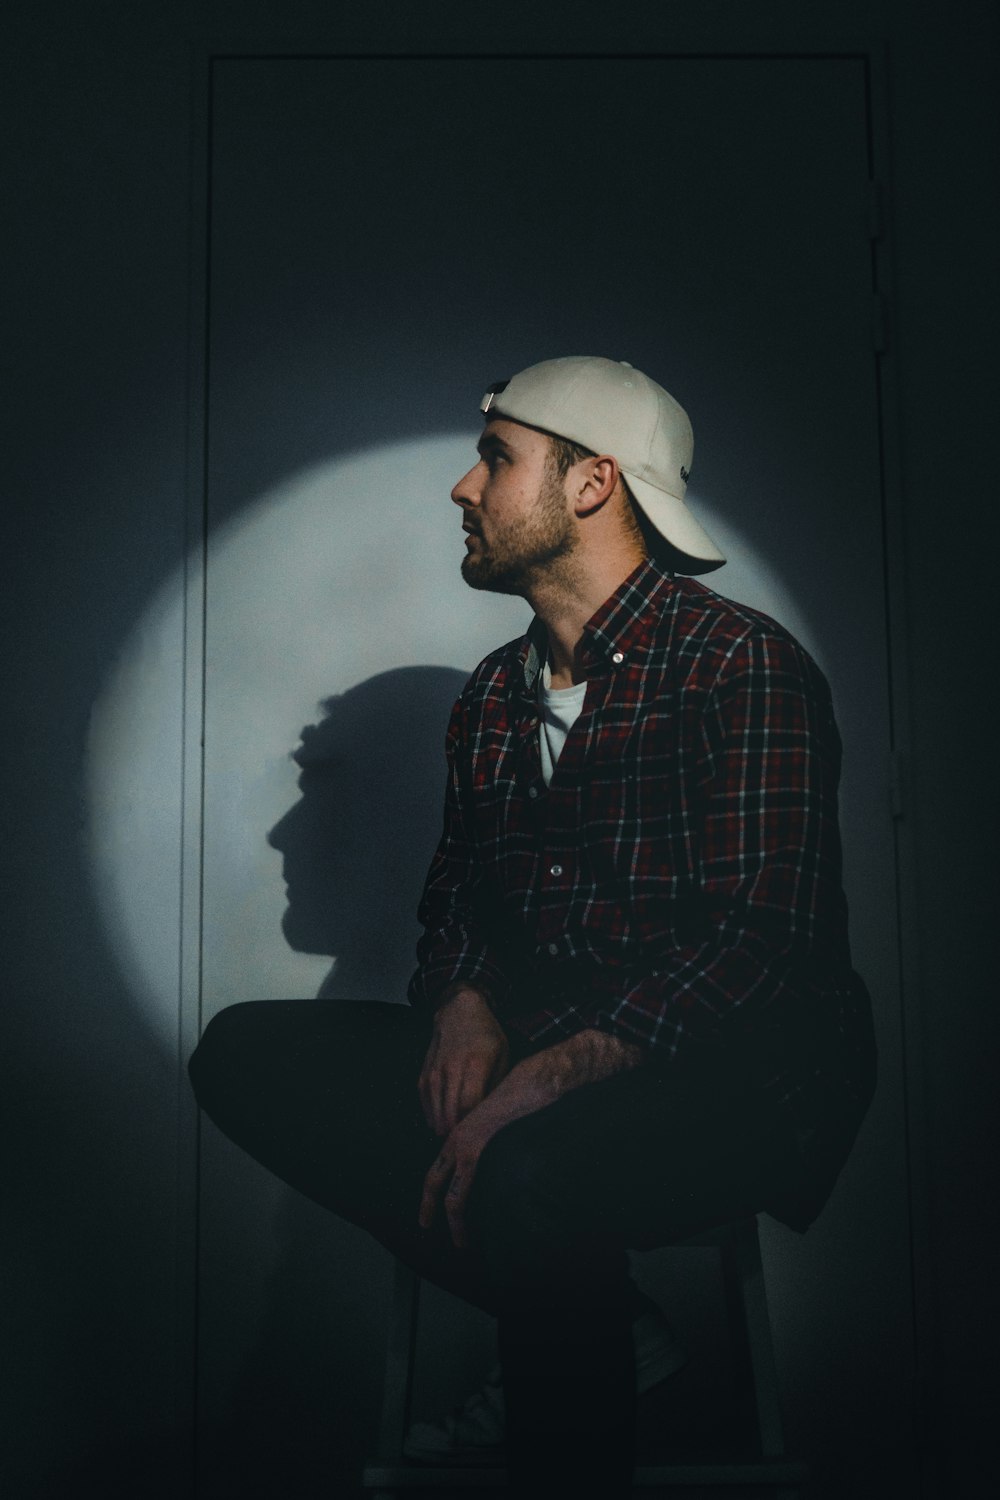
(634, 1015)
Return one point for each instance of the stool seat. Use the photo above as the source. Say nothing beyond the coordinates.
(389, 1474)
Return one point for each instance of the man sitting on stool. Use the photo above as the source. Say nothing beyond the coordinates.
(634, 1016)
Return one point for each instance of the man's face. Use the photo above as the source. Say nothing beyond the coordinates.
(515, 510)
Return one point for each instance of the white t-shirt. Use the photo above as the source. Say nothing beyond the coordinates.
(559, 710)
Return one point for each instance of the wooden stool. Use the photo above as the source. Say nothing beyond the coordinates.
(750, 1329)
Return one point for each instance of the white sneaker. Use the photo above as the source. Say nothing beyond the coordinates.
(474, 1432)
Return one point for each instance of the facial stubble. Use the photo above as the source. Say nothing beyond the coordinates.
(518, 556)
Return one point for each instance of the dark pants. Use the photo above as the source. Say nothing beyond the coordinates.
(323, 1093)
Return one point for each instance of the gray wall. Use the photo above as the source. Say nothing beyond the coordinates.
(97, 1276)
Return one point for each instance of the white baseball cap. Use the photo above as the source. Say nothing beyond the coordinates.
(609, 407)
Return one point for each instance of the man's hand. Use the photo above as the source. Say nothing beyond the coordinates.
(468, 1056)
(537, 1081)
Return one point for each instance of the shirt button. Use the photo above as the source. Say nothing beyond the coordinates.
(553, 949)
(556, 870)
(618, 658)
(532, 792)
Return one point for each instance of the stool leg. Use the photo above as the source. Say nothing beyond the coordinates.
(399, 1359)
(753, 1333)
(736, 1321)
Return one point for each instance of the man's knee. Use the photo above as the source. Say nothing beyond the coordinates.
(222, 1064)
(276, 1071)
(211, 1051)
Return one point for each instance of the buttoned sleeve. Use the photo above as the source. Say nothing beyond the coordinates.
(455, 944)
(768, 916)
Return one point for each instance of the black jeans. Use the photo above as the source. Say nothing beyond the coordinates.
(323, 1093)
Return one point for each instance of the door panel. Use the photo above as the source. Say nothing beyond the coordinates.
(387, 237)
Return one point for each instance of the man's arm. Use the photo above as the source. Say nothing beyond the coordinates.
(454, 950)
(587, 1057)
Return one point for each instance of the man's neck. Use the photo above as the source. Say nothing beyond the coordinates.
(565, 604)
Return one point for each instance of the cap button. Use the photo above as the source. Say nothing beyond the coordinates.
(626, 364)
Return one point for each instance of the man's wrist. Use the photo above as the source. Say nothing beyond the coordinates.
(462, 990)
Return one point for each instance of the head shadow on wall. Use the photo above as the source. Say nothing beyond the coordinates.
(357, 844)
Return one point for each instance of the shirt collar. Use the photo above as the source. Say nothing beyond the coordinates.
(622, 624)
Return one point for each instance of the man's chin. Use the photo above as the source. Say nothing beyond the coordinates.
(479, 575)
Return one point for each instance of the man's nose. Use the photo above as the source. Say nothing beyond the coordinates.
(466, 491)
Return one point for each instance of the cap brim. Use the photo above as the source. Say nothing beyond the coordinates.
(676, 524)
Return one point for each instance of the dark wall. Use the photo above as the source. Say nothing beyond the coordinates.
(97, 216)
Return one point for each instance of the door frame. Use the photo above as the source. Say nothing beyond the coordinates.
(203, 61)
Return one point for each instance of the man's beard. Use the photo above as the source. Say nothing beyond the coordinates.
(517, 557)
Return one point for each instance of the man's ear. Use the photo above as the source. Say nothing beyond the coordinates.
(595, 482)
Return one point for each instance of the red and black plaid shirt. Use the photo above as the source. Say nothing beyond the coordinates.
(679, 882)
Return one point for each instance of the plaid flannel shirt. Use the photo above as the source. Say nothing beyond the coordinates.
(678, 883)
